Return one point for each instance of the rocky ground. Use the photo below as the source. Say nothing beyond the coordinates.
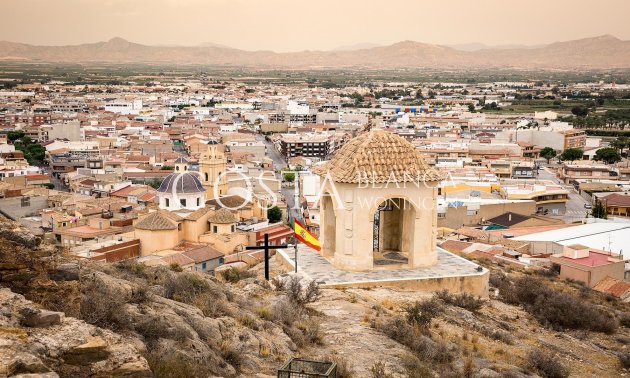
(69, 318)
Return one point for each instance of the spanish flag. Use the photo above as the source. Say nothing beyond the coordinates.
(302, 234)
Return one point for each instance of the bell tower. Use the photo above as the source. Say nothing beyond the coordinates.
(211, 166)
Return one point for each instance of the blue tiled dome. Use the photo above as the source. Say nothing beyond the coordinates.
(183, 182)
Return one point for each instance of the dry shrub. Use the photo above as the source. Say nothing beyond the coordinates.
(378, 370)
(132, 267)
(624, 320)
(424, 348)
(185, 287)
(555, 309)
(285, 313)
(414, 368)
(495, 334)
(175, 267)
(548, 366)
(301, 295)
(232, 354)
(420, 313)
(152, 330)
(310, 331)
(102, 308)
(234, 275)
(248, 321)
(264, 312)
(624, 359)
(344, 369)
(172, 366)
(463, 300)
(141, 294)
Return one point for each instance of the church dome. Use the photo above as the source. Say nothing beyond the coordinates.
(378, 157)
(222, 216)
(182, 182)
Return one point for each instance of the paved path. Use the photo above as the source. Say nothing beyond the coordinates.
(316, 267)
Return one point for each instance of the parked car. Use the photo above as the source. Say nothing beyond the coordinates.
(588, 206)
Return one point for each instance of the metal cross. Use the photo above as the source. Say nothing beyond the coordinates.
(267, 247)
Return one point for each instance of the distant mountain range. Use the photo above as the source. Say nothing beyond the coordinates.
(597, 53)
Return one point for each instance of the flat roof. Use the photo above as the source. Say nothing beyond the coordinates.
(608, 236)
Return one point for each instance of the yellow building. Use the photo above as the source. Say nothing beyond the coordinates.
(212, 170)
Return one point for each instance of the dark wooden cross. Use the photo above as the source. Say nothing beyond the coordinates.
(267, 247)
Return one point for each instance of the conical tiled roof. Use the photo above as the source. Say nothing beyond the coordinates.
(222, 216)
(378, 157)
(157, 221)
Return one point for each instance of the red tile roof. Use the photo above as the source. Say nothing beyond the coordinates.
(455, 245)
(593, 259)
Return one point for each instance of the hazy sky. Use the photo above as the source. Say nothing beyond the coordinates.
(292, 25)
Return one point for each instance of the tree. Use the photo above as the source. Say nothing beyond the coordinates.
(274, 214)
(15, 135)
(33, 153)
(572, 154)
(155, 183)
(620, 144)
(548, 153)
(289, 176)
(167, 168)
(580, 111)
(608, 155)
(599, 210)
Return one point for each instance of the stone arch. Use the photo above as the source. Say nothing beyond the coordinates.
(328, 223)
(393, 230)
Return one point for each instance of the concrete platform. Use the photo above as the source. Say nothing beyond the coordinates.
(452, 272)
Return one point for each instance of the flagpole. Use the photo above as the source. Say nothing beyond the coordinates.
(295, 246)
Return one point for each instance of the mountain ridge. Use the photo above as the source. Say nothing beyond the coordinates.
(601, 52)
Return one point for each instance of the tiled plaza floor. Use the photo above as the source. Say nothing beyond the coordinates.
(316, 267)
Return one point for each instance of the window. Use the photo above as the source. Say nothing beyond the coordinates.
(233, 228)
(166, 202)
(203, 266)
(198, 201)
(205, 175)
(182, 201)
(25, 201)
(214, 229)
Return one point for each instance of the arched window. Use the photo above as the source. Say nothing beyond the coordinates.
(205, 175)
(177, 167)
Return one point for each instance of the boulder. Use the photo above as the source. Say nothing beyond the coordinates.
(32, 317)
(93, 350)
(65, 272)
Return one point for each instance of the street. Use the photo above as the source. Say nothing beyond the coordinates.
(288, 193)
(575, 205)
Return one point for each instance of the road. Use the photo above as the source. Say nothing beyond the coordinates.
(288, 193)
(575, 205)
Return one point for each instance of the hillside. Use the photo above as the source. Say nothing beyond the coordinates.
(590, 53)
(84, 319)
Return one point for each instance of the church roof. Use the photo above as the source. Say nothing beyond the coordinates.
(157, 221)
(183, 183)
(181, 160)
(378, 157)
(222, 216)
